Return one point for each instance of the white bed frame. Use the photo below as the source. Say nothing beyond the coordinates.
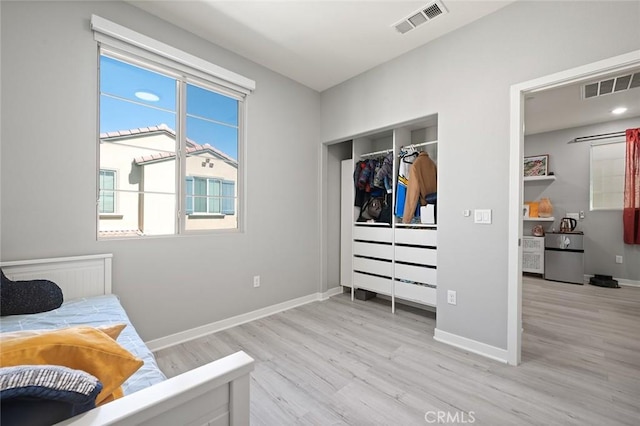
(214, 394)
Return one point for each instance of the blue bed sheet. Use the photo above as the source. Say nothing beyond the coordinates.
(94, 311)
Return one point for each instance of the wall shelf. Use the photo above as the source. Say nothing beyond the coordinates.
(539, 178)
(539, 219)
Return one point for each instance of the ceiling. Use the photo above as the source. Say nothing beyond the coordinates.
(564, 107)
(316, 43)
(322, 43)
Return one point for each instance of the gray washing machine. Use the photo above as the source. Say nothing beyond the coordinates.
(564, 257)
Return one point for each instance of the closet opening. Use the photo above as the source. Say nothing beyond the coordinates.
(386, 248)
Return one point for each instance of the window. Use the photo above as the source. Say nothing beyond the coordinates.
(172, 126)
(210, 196)
(607, 176)
(107, 199)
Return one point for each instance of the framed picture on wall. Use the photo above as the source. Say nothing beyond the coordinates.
(536, 166)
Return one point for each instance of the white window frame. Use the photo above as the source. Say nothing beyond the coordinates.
(593, 171)
(124, 44)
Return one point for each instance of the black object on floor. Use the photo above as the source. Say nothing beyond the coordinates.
(364, 294)
(604, 281)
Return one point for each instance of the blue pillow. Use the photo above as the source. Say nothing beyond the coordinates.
(45, 394)
(28, 297)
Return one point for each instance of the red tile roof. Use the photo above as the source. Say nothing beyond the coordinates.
(192, 147)
(121, 233)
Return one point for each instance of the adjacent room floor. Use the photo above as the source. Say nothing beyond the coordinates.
(343, 362)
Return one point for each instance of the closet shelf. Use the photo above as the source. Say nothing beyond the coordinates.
(539, 178)
(400, 225)
(416, 225)
(383, 224)
(539, 219)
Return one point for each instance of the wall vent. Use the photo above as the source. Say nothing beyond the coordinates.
(611, 85)
(420, 16)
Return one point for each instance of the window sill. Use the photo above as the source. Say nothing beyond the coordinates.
(111, 216)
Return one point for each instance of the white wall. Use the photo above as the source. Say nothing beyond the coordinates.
(465, 78)
(569, 193)
(167, 284)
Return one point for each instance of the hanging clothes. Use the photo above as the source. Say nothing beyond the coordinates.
(383, 173)
(422, 181)
(372, 178)
(407, 157)
(361, 179)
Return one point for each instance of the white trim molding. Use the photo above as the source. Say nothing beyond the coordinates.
(469, 345)
(331, 292)
(103, 27)
(516, 149)
(214, 327)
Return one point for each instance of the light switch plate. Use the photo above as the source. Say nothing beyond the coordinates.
(482, 216)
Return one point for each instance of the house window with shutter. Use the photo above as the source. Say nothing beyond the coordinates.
(210, 196)
(107, 196)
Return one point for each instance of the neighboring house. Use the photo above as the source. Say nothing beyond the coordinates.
(138, 184)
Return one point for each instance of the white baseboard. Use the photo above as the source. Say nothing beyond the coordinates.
(621, 281)
(194, 333)
(469, 345)
(332, 292)
(629, 283)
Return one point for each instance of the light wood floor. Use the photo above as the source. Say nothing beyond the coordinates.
(340, 362)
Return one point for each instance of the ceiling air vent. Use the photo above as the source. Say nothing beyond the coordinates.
(420, 16)
(611, 85)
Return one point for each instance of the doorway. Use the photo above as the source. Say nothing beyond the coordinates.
(518, 93)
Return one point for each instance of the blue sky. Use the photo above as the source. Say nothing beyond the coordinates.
(211, 118)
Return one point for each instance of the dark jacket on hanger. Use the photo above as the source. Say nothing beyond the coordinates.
(422, 181)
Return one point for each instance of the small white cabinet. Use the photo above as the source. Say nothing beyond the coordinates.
(533, 255)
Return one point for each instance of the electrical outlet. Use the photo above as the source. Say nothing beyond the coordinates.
(256, 281)
(618, 259)
(581, 214)
(451, 297)
(575, 216)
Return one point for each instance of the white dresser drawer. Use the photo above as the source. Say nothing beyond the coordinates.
(380, 251)
(379, 267)
(372, 233)
(369, 282)
(415, 293)
(420, 236)
(420, 256)
(416, 273)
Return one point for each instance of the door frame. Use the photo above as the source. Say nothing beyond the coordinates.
(516, 149)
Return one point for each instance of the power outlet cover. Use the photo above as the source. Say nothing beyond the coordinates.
(451, 297)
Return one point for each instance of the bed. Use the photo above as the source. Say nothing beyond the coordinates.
(214, 394)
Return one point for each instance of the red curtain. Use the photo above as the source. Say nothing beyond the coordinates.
(631, 211)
